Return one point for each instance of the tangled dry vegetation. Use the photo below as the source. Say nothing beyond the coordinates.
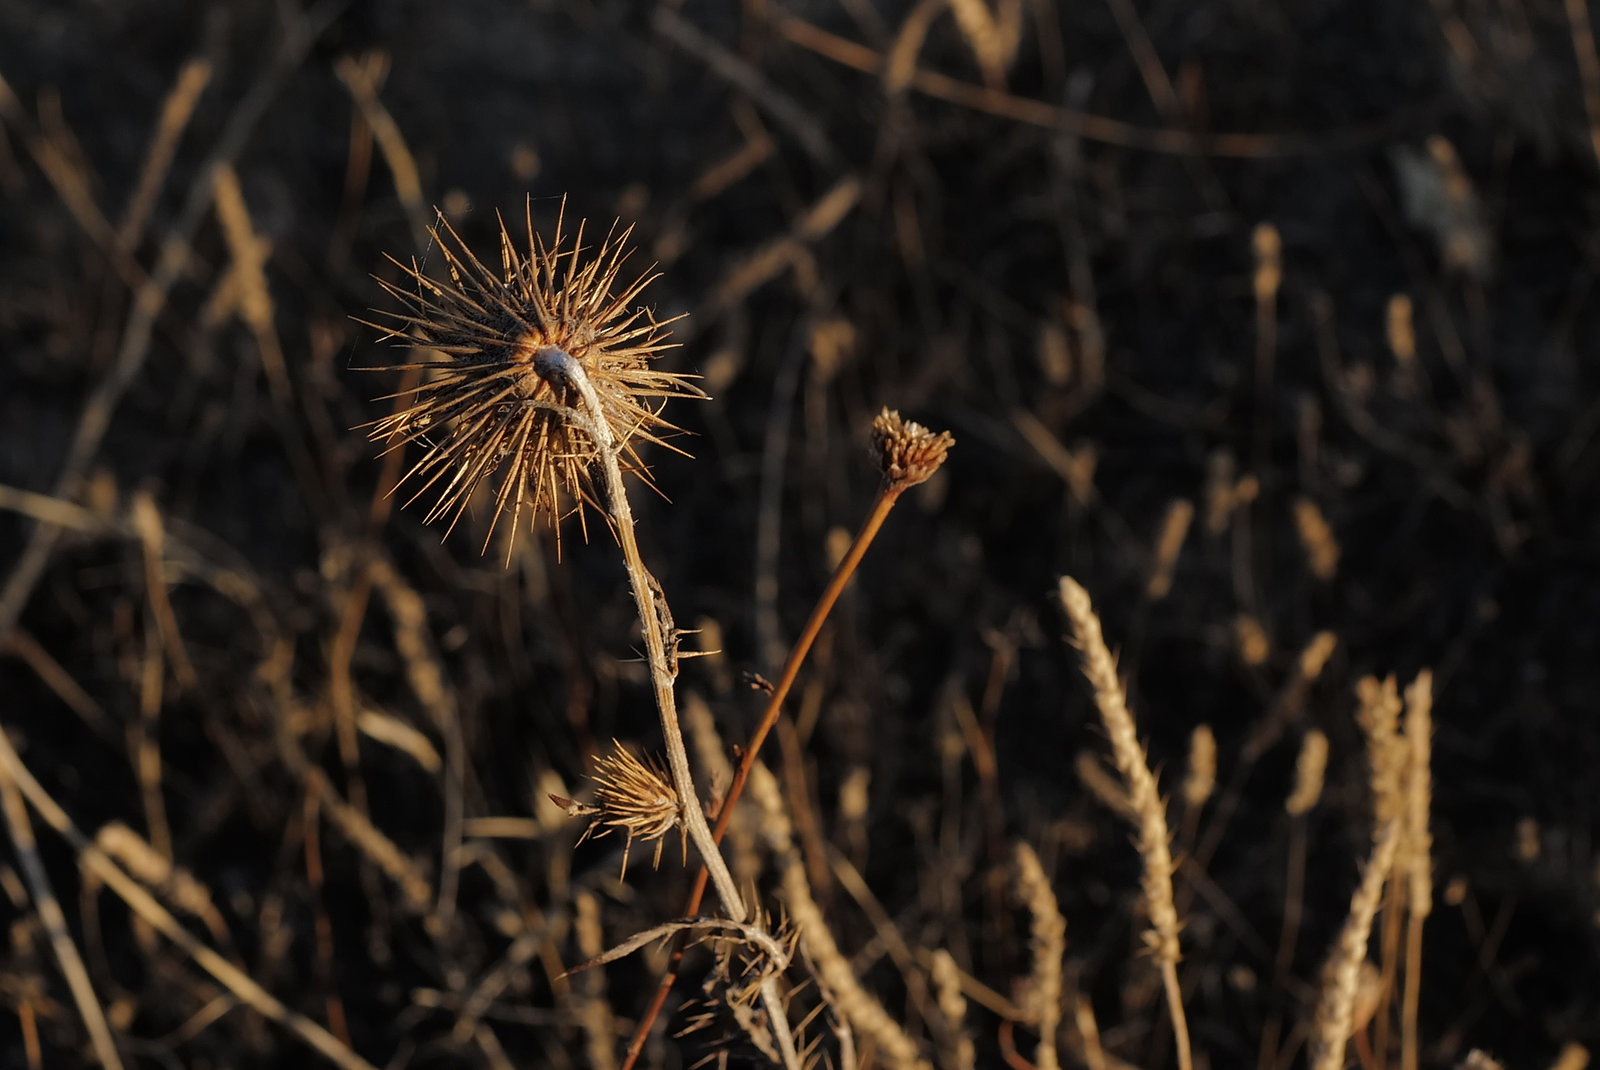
(1269, 325)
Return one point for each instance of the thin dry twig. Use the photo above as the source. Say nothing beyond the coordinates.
(146, 907)
(151, 298)
(1085, 125)
(54, 922)
(176, 111)
(907, 454)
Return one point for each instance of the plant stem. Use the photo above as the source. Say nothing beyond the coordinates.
(791, 670)
(663, 678)
(556, 363)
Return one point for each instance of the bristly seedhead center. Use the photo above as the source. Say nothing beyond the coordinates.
(489, 413)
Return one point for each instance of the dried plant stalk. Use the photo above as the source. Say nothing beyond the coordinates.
(959, 1053)
(594, 1013)
(655, 617)
(54, 923)
(861, 1007)
(1317, 537)
(993, 37)
(1049, 944)
(1174, 529)
(548, 376)
(1201, 779)
(1101, 669)
(1418, 853)
(97, 863)
(1341, 976)
(1573, 1056)
(1309, 771)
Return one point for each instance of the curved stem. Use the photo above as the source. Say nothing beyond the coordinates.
(887, 496)
(554, 363)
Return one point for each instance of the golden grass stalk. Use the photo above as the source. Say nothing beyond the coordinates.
(1169, 544)
(1341, 976)
(1388, 767)
(1200, 779)
(992, 36)
(834, 971)
(1317, 539)
(1479, 1060)
(1387, 755)
(1573, 1056)
(959, 1053)
(1048, 940)
(1310, 769)
(1418, 853)
(1153, 838)
(594, 1012)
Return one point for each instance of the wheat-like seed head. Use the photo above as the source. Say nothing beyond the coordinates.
(493, 405)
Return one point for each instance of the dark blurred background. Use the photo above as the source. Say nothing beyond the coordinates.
(1321, 274)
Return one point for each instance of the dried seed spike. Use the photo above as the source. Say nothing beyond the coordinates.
(485, 415)
(907, 452)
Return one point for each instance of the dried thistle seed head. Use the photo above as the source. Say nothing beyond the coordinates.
(907, 452)
(491, 411)
(635, 796)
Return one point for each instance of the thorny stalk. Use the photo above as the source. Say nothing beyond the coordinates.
(555, 363)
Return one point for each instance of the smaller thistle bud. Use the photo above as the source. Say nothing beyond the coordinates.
(633, 795)
(907, 452)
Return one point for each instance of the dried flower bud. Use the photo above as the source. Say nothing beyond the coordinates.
(633, 795)
(907, 452)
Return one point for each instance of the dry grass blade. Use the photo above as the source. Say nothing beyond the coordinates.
(55, 923)
(753, 936)
(98, 863)
(134, 347)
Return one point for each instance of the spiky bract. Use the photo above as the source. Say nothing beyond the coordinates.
(489, 406)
